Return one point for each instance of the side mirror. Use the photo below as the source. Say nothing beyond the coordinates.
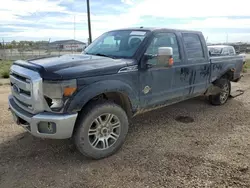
(165, 56)
(145, 60)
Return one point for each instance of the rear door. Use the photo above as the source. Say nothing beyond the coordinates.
(191, 77)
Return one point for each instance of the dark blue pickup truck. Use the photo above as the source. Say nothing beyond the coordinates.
(91, 97)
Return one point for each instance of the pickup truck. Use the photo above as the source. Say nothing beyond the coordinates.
(91, 97)
(225, 50)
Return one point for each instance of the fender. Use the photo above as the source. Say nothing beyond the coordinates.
(90, 91)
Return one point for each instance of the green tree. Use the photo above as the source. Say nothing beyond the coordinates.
(14, 44)
(8, 46)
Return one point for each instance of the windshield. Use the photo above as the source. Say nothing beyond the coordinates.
(117, 44)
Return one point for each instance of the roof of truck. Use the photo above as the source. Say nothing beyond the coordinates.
(156, 29)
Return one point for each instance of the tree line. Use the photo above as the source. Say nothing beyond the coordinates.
(24, 45)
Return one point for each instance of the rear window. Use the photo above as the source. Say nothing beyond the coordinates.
(231, 51)
(193, 46)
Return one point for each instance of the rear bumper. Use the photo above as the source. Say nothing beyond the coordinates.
(63, 124)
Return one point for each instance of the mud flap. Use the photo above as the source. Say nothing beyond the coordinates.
(236, 93)
(212, 90)
(238, 79)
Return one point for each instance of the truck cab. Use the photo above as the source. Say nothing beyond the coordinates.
(92, 97)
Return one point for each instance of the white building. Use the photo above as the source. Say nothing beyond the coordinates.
(67, 45)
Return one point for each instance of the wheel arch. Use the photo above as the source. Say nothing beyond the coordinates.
(114, 90)
(227, 74)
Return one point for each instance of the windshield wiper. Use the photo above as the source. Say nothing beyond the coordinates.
(100, 54)
(104, 55)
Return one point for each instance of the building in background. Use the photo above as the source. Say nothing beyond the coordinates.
(67, 45)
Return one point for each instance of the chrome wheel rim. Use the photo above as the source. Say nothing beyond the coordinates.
(104, 131)
(224, 93)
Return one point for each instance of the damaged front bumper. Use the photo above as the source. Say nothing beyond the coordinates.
(44, 124)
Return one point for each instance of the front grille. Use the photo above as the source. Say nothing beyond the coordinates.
(22, 103)
(26, 88)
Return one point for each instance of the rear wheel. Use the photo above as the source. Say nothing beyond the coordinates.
(102, 130)
(222, 97)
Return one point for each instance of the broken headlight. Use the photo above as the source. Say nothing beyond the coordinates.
(57, 92)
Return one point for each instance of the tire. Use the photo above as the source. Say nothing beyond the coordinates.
(101, 129)
(223, 96)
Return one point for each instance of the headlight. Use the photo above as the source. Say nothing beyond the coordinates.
(56, 92)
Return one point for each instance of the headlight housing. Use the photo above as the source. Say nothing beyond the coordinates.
(57, 92)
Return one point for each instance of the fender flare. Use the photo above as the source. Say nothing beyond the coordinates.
(90, 91)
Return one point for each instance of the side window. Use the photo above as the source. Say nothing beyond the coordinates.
(231, 51)
(164, 40)
(193, 46)
(225, 51)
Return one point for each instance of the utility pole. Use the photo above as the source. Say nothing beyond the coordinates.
(48, 47)
(89, 24)
(74, 27)
(4, 49)
(74, 48)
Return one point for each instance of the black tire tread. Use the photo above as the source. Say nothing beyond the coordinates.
(215, 99)
(93, 106)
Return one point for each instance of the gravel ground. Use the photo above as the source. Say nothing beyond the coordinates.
(212, 150)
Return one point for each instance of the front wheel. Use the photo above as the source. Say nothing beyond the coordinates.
(101, 130)
(222, 97)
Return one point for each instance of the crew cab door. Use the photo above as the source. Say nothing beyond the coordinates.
(191, 76)
(156, 80)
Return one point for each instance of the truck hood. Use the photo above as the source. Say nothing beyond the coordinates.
(74, 66)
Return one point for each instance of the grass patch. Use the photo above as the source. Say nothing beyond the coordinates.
(5, 68)
(246, 66)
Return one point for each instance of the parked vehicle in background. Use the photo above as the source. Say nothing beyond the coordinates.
(224, 50)
(92, 97)
(243, 55)
(220, 50)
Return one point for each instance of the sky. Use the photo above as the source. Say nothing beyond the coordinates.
(219, 20)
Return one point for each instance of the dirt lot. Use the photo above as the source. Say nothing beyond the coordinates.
(212, 151)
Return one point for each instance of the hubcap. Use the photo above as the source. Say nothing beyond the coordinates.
(104, 131)
(224, 93)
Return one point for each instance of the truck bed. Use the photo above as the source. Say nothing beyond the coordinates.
(221, 64)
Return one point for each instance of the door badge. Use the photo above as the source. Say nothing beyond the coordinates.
(146, 89)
